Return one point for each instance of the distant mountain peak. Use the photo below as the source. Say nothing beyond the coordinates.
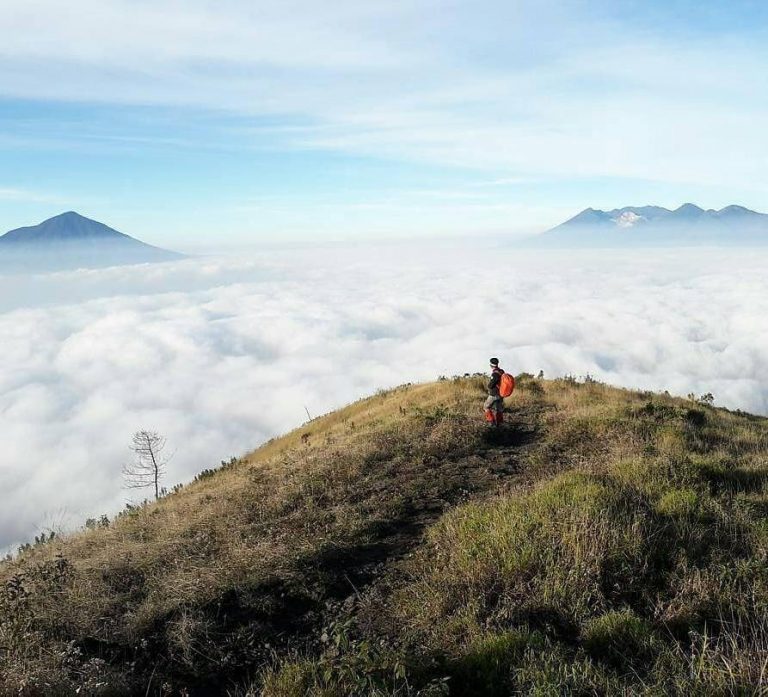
(72, 239)
(734, 209)
(69, 215)
(688, 210)
(588, 215)
(61, 228)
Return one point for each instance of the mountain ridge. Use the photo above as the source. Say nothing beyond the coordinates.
(687, 225)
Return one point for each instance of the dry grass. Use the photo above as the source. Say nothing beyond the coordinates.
(634, 565)
(263, 542)
(608, 541)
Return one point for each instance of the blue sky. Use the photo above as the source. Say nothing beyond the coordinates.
(205, 124)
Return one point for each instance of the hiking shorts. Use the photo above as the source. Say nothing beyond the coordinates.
(494, 403)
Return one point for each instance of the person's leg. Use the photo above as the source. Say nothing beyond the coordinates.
(498, 411)
(490, 410)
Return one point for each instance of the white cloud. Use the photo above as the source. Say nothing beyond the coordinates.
(13, 194)
(220, 354)
(158, 38)
(533, 89)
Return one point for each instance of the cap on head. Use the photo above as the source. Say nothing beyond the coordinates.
(494, 361)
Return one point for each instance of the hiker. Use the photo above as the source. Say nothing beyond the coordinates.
(500, 385)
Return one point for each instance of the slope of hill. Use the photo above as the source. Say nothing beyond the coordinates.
(604, 542)
(70, 240)
(656, 226)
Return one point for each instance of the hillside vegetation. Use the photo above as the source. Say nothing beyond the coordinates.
(603, 542)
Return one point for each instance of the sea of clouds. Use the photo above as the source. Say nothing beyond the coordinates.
(219, 354)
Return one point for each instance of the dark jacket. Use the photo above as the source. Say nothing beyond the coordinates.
(493, 383)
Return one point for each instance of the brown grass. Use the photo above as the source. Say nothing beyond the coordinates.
(398, 547)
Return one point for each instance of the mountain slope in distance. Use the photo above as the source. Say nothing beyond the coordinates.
(71, 240)
(631, 226)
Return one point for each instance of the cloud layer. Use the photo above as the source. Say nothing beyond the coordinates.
(220, 354)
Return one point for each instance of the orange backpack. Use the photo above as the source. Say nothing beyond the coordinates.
(506, 385)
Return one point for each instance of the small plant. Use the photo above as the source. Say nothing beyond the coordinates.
(707, 399)
(204, 474)
(42, 538)
(100, 522)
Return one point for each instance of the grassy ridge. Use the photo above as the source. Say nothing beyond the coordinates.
(606, 541)
(636, 564)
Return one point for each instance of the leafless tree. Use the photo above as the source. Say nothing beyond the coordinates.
(148, 466)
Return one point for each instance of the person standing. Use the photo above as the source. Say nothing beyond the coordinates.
(500, 385)
(494, 404)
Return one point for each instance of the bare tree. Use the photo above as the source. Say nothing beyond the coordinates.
(148, 466)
